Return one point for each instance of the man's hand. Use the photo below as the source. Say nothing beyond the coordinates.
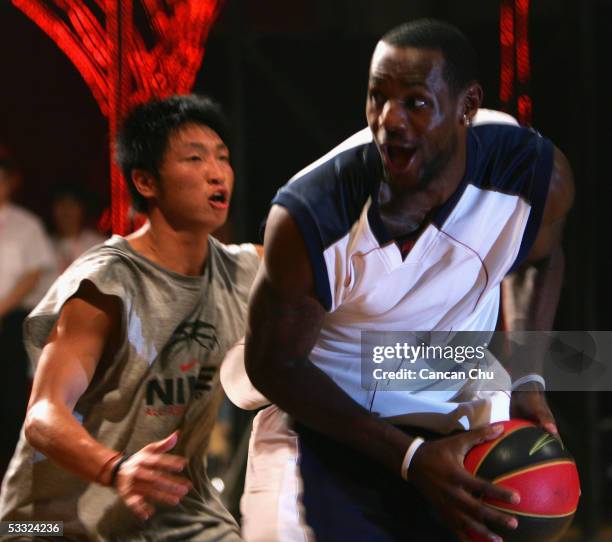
(437, 471)
(147, 476)
(529, 402)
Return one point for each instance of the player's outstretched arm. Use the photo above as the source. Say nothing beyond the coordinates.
(285, 319)
(531, 293)
(81, 340)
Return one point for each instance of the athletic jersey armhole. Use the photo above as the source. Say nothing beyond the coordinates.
(540, 183)
(305, 222)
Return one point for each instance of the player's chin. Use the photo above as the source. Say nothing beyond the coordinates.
(403, 181)
(405, 177)
(217, 219)
(206, 219)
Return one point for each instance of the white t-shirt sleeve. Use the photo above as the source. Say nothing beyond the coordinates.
(38, 255)
(38, 252)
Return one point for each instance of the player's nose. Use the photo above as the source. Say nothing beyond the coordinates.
(393, 116)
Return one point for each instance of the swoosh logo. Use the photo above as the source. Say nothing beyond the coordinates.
(184, 367)
(541, 442)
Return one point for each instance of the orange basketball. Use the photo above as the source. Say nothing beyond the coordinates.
(531, 461)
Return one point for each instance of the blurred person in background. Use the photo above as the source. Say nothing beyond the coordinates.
(71, 234)
(25, 257)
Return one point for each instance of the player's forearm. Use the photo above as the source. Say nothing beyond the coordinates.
(530, 299)
(53, 430)
(21, 289)
(531, 294)
(313, 398)
(280, 337)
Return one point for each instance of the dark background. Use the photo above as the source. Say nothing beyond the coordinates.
(292, 76)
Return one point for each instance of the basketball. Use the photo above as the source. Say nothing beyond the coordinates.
(531, 461)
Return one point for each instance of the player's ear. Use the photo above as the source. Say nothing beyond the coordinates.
(145, 183)
(471, 100)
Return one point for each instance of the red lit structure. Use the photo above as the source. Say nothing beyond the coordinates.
(120, 67)
(515, 71)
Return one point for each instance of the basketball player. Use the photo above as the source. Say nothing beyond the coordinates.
(411, 225)
(128, 342)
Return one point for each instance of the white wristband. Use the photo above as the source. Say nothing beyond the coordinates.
(414, 446)
(529, 378)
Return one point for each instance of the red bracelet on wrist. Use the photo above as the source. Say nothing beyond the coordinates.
(100, 475)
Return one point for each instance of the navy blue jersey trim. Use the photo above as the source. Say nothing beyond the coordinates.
(506, 157)
(540, 183)
(325, 203)
(303, 218)
(375, 221)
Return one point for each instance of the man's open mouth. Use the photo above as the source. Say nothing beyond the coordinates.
(398, 157)
(219, 199)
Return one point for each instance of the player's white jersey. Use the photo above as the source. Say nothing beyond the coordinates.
(448, 281)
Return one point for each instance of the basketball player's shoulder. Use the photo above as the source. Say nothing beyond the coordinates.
(238, 260)
(504, 138)
(345, 155)
(234, 254)
(344, 168)
(510, 158)
(109, 257)
(329, 195)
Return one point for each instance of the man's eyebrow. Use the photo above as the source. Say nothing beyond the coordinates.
(201, 147)
(195, 145)
(378, 80)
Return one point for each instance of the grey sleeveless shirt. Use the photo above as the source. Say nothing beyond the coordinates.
(164, 376)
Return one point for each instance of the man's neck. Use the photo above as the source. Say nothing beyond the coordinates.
(183, 252)
(404, 212)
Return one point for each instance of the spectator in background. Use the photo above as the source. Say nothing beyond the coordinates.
(71, 236)
(25, 256)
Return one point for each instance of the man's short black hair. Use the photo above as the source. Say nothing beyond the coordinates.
(460, 60)
(143, 137)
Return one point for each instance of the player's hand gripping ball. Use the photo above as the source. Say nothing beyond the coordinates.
(531, 461)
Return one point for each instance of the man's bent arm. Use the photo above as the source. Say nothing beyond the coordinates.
(531, 294)
(82, 338)
(284, 322)
(66, 366)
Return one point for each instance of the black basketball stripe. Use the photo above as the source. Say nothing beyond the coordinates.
(533, 529)
(496, 443)
(529, 468)
(527, 446)
(528, 515)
